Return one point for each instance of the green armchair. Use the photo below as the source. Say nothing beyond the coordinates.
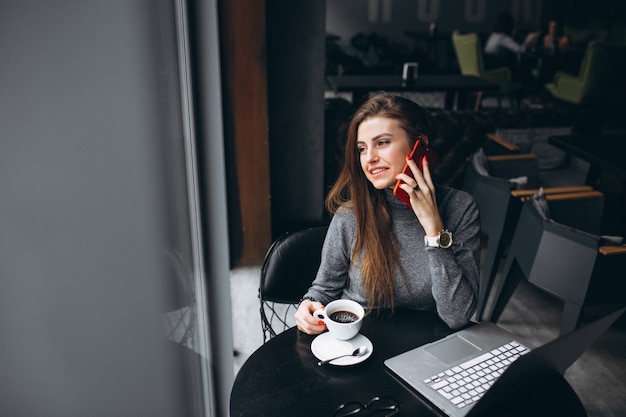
(600, 79)
(469, 56)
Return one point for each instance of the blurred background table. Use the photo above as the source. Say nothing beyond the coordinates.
(603, 151)
(454, 86)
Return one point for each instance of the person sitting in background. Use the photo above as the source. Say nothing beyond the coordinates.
(551, 41)
(501, 49)
(553, 47)
(378, 251)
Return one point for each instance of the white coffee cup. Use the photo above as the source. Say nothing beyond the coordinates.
(352, 314)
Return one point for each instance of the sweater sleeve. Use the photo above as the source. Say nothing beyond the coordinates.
(455, 271)
(332, 275)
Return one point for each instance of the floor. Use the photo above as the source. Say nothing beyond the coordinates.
(598, 377)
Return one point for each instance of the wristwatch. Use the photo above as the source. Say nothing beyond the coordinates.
(444, 240)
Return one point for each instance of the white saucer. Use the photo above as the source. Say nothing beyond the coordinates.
(325, 347)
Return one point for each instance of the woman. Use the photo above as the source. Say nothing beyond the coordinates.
(375, 250)
(554, 49)
(550, 42)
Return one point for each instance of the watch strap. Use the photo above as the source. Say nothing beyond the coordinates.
(436, 241)
(432, 241)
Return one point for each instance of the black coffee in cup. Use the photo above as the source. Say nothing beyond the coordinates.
(343, 316)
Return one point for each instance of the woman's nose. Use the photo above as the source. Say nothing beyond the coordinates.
(371, 155)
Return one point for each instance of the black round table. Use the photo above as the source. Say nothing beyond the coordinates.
(282, 377)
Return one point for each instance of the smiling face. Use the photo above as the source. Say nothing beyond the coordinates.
(382, 146)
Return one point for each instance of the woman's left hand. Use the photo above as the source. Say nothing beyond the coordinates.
(421, 191)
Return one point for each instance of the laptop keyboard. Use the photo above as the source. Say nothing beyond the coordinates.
(465, 383)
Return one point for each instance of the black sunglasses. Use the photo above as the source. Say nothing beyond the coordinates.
(377, 404)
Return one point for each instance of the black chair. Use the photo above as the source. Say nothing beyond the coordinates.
(288, 270)
(557, 248)
(493, 181)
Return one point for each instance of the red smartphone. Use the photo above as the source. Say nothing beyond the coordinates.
(420, 150)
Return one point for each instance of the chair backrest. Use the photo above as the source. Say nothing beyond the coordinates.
(556, 258)
(490, 180)
(538, 244)
(288, 270)
(492, 194)
(602, 71)
(469, 53)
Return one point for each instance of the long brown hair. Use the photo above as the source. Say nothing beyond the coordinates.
(375, 241)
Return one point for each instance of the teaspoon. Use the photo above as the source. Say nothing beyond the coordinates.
(360, 351)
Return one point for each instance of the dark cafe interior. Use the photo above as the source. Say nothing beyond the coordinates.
(164, 166)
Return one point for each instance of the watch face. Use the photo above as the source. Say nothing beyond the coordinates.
(445, 239)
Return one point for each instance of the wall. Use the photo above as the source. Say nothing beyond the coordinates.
(295, 68)
(391, 18)
(244, 53)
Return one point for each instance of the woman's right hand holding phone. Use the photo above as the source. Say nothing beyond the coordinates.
(421, 191)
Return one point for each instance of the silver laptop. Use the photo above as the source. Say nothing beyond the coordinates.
(473, 370)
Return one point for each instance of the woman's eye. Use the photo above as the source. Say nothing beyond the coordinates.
(361, 149)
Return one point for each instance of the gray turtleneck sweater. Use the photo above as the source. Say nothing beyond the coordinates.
(435, 279)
